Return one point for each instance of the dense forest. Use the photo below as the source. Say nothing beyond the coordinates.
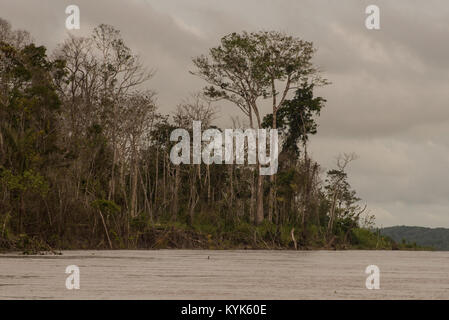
(85, 151)
(436, 238)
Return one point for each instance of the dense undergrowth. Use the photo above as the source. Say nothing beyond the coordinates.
(206, 235)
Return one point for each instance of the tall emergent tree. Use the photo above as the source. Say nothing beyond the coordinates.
(247, 67)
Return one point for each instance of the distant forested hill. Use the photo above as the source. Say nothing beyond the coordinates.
(437, 238)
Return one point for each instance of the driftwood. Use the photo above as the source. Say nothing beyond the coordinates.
(292, 233)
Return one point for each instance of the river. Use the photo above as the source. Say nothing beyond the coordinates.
(240, 274)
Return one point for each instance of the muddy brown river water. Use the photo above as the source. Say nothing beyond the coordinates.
(204, 274)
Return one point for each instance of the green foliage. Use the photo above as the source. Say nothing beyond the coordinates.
(28, 181)
(295, 119)
(363, 238)
(437, 238)
(106, 206)
(245, 66)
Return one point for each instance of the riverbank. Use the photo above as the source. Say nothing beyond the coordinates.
(210, 237)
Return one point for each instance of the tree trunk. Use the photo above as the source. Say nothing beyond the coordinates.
(272, 197)
(176, 191)
(259, 212)
(252, 204)
(134, 190)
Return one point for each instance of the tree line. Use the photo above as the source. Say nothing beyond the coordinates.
(85, 151)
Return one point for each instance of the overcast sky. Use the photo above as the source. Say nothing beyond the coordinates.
(388, 101)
